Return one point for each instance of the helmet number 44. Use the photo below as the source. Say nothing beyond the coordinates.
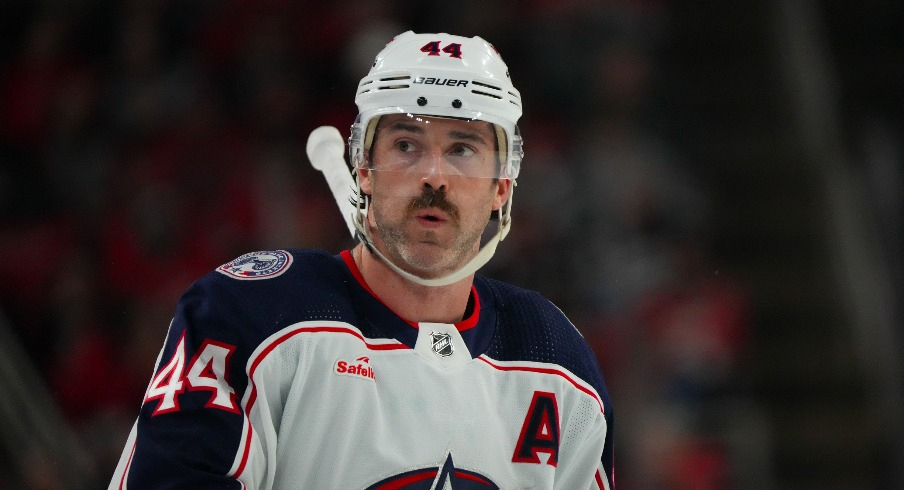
(432, 49)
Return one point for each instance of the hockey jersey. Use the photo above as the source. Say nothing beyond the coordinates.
(282, 370)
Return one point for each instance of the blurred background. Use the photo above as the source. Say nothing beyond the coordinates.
(712, 192)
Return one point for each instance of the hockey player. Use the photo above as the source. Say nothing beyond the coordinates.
(392, 365)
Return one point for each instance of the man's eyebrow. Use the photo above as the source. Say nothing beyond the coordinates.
(454, 134)
(468, 136)
(405, 126)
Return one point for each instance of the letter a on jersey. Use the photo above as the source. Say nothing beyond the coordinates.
(540, 432)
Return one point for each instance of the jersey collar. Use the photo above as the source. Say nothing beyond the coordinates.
(466, 324)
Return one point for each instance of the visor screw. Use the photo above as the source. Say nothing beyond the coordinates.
(456, 104)
(422, 101)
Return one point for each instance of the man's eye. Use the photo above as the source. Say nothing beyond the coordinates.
(462, 151)
(405, 146)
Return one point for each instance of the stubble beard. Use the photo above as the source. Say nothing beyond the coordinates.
(421, 251)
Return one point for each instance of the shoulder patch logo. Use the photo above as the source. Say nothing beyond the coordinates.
(257, 265)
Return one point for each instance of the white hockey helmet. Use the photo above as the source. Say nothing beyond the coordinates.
(440, 75)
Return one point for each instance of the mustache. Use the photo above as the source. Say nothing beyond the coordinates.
(434, 198)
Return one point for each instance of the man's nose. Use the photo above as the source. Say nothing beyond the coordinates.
(435, 170)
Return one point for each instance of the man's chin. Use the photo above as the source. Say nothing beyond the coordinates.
(426, 266)
(429, 262)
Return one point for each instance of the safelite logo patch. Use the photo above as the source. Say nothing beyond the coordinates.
(359, 368)
(257, 265)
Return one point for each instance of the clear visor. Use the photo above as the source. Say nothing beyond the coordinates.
(419, 145)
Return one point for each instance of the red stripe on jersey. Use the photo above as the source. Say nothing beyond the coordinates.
(599, 480)
(353, 268)
(533, 369)
(471, 321)
(252, 397)
(247, 450)
(467, 476)
(125, 471)
(408, 480)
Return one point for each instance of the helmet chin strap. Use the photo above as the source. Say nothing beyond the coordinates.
(483, 255)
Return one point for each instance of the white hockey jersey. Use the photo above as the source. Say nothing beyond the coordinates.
(281, 370)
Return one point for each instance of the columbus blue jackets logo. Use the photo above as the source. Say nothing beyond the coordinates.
(257, 265)
(437, 478)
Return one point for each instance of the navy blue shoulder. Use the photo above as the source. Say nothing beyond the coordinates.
(531, 328)
(269, 290)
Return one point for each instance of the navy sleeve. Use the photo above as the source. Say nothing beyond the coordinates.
(189, 430)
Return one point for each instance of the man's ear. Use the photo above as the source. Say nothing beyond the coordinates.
(365, 180)
(503, 191)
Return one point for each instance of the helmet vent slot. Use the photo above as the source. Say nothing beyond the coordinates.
(393, 86)
(478, 92)
(481, 84)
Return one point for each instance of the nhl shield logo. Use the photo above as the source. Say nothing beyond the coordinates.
(442, 344)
